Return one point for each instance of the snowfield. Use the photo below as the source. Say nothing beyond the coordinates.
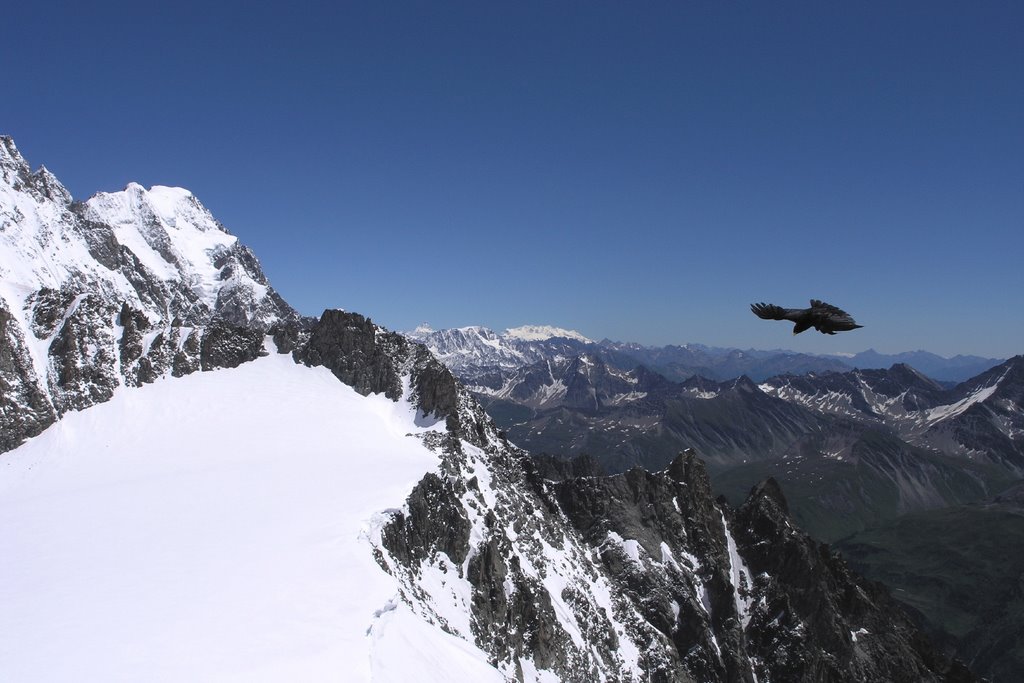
(215, 527)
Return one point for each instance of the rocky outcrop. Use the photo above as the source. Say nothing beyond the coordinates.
(347, 345)
(373, 361)
(744, 595)
(648, 529)
(25, 408)
(636, 576)
(817, 620)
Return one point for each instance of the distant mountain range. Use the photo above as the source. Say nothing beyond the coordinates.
(955, 369)
(889, 440)
(474, 353)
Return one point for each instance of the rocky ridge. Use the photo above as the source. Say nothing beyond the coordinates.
(637, 576)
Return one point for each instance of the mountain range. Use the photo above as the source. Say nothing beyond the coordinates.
(859, 453)
(200, 484)
(474, 353)
(566, 397)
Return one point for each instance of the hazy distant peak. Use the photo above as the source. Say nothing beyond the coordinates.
(542, 332)
(422, 330)
(478, 330)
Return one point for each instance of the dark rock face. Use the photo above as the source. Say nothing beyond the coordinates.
(290, 335)
(373, 361)
(25, 409)
(347, 345)
(671, 517)
(520, 624)
(850, 629)
(434, 386)
(478, 530)
(186, 358)
(554, 469)
(82, 355)
(789, 611)
(435, 521)
(225, 346)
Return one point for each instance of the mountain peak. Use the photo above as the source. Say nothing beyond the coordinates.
(544, 332)
(9, 154)
(13, 166)
(125, 288)
(50, 186)
(422, 330)
(770, 489)
(913, 377)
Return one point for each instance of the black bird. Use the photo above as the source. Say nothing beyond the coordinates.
(825, 318)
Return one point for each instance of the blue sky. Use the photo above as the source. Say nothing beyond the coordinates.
(636, 171)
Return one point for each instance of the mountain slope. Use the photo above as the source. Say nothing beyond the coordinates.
(214, 527)
(952, 569)
(583, 404)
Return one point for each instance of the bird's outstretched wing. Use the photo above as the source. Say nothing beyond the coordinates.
(833, 313)
(773, 312)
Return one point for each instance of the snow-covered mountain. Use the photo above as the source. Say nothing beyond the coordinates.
(481, 356)
(543, 333)
(263, 520)
(118, 290)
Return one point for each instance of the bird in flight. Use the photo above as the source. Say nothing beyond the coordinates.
(825, 318)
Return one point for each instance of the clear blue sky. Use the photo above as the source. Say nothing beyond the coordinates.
(637, 171)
